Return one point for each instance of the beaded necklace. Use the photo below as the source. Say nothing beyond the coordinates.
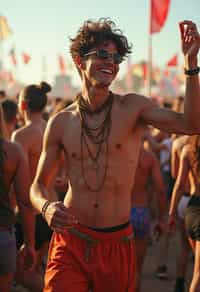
(98, 136)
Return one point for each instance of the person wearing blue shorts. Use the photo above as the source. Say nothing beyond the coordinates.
(140, 217)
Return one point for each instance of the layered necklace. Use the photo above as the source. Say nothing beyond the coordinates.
(96, 136)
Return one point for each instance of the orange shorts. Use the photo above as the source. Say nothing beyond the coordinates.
(85, 260)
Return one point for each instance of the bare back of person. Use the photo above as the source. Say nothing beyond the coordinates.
(189, 169)
(32, 101)
(140, 195)
(192, 176)
(16, 173)
(30, 137)
(110, 206)
(177, 146)
(11, 160)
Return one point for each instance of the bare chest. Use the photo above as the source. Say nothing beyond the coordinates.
(118, 141)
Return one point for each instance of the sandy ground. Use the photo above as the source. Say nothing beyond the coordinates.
(150, 283)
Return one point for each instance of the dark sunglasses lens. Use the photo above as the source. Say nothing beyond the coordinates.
(117, 58)
(103, 54)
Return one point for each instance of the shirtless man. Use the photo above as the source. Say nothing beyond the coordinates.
(14, 170)
(189, 169)
(101, 132)
(184, 250)
(32, 101)
(147, 173)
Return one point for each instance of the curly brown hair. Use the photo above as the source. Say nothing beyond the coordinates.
(195, 155)
(92, 34)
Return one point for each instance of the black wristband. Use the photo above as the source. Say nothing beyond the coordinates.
(192, 71)
(44, 208)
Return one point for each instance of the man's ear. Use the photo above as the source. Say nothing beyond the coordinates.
(79, 62)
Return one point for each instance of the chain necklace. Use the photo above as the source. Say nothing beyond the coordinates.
(98, 136)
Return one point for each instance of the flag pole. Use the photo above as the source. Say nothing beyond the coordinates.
(149, 74)
(149, 67)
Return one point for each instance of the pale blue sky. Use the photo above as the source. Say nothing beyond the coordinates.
(42, 27)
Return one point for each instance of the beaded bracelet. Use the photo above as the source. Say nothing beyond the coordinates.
(192, 71)
(44, 207)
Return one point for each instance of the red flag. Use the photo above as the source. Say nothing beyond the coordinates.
(145, 67)
(173, 61)
(159, 11)
(26, 58)
(13, 57)
(62, 65)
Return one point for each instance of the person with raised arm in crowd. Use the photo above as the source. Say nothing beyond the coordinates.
(92, 247)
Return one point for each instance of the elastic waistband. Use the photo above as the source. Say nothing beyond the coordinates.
(110, 229)
(186, 194)
(125, 231)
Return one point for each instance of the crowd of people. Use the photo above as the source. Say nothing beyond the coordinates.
(85, 184)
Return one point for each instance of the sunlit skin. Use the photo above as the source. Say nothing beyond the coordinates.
(148, 169)
(111, 205)
(186, 172)
(30, 138)
(16, 173)
(101, 74)
(31, 134)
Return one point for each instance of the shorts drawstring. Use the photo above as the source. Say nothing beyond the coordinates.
(127, 239)
(90, 242)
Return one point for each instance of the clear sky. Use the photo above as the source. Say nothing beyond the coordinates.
(42, 28)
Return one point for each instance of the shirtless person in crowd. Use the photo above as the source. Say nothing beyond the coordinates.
(32, 101)
(100, 133)
(148, 178)
(189, 169)
(184, 250)
(14, 171)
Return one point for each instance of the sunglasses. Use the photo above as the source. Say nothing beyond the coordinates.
(103, 55)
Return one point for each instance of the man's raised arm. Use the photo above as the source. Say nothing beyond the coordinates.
(190, 41)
